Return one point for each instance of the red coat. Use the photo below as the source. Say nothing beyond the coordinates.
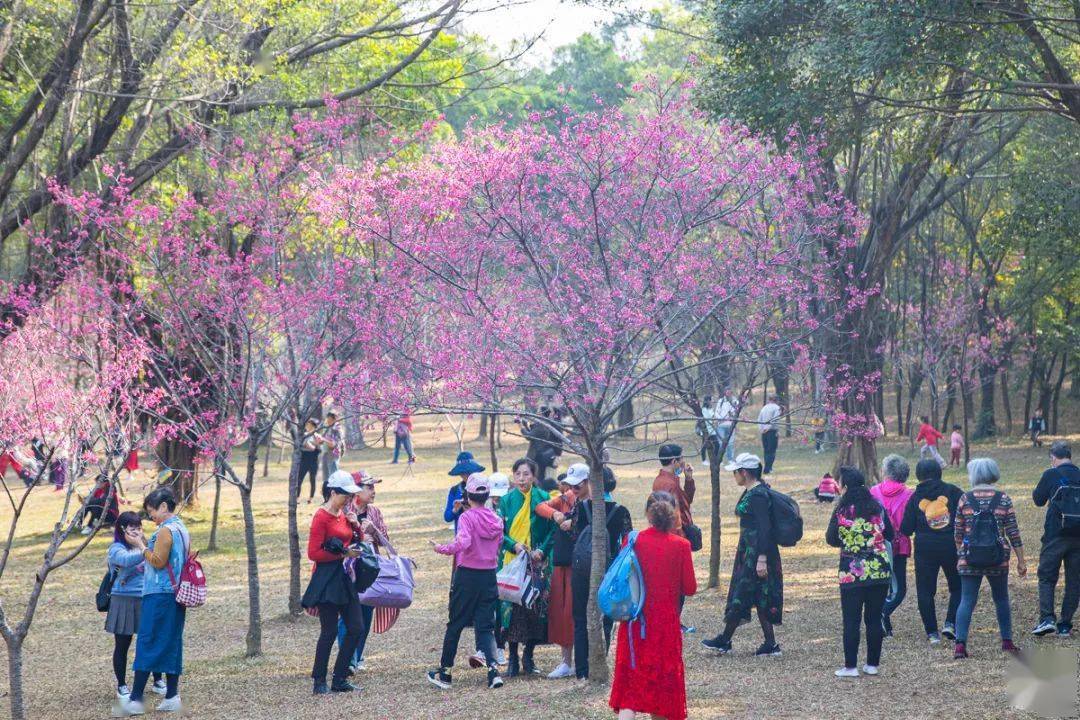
(929, 433)
(657, 684)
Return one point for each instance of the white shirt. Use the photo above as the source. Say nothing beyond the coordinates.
(725, 413)
(768, 416)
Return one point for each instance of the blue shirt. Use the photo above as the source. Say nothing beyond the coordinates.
(455, 494)
(159, 581)
(127, 563)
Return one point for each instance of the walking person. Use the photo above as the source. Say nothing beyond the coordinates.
(757, 577)
(559, 509)
(649, 674)
(330, 592)
(676, 478)
(403, 438)
(473, 590)
(618, 524)
(126, 567)
(928, 520)
(726, 413)
(986, 529)
(928, 435)
(363, 514)
(159, 647)
(333, 447)
(1059, 491)
(708, 429)
(309, 461)
(526, 532)
(768, 423)
(956, 445)
(1036, 427)
(893, 494)
(860, 527)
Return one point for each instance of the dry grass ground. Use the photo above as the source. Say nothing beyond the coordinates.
(68, 668)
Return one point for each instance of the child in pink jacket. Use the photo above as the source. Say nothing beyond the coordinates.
(893, 495)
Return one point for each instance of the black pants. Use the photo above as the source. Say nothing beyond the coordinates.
(579, 586)
(900, 573)
(862, 605)
(929, 560)
(329, 613)
(770, 440)
(706, 441)
(309, 465)
(1054, 553)
(121, 645)
(472, 602)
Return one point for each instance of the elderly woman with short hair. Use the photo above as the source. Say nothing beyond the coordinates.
(984, 497)
(893, 495)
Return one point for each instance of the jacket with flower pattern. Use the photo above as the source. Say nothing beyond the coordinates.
(864, 554)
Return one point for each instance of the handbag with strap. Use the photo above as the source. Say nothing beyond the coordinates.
(394, 585)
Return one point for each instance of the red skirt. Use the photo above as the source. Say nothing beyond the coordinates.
(561, 609)
(132, 463)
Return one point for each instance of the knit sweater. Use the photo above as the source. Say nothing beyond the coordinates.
(1008, 529)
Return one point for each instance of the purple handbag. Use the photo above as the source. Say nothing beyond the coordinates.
(394, 586)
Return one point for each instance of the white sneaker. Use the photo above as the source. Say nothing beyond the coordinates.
(562, 671)
(126, 707)
(870, 669)
(169, 704)
(847, 672)
(500, 656)
(705, 462)
(159, 687)
(360, 666)
(122, 692)
(87, 530)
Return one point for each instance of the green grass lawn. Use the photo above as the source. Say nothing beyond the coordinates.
(68, 672)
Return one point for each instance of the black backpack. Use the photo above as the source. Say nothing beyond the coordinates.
(1066, 500)
(104, 592)
(582, 555)
(982, 538)
(787, 521)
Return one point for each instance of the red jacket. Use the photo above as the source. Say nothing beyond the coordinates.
(928, 433)
(667, 482)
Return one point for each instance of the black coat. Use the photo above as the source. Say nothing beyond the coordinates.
(329, 584)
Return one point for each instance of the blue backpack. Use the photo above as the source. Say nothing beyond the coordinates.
(622, 593)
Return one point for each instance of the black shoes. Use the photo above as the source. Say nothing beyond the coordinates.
(341, 686)
(768, 650)
(513, 669)
(494, 679)
(439, 678)
(321, 688)
(717, 645)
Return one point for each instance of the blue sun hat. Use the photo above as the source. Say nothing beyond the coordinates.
(466, 465)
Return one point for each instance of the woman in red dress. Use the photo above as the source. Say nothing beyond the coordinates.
(657, 683)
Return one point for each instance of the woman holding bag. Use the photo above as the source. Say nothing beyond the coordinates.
(525, 531)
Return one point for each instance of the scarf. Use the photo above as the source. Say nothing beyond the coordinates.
(521, 527)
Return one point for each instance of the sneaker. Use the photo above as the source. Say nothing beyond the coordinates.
(934, 638)
(847, 672)
(870, 669)
(500, 656)
(477, 660)
(688, 629)
(1007, 646)
(343, 686)
(717, 645)
(949, 632)
(126, 707)
(321, 688)
(439, 678)
(159, 687)
(494, 678)
(562, 671)
(1045, 627)
(767, 650)
(1064, 630)
(705, 462)
(960, 651)
(359, 666)
(86, 531)
(169, 704)
(122, 691)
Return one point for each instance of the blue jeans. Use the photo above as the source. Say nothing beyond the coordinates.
(403, 442)
(722, 434)
(969, 595)
(366, 611)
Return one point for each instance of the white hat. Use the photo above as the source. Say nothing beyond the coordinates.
(744, 461)
(576, 474)
(342, 480)
(500, 484)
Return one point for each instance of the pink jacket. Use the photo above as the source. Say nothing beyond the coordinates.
(893, 496)
(479, 536)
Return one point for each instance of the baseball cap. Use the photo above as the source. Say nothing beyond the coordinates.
(500, 484)
(744, 461)
(477, 484)
(361, 477)
(576, 474)
(342, 480)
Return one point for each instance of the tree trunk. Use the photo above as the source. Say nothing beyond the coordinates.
(1006, 402)
(714, 513)
(491, 444)
(1032, 371)
(598, 666)
(626, 419)
(211, 545)
(294, 526)
(15, 679)
(254, 633)
(1057, 393)
(985, 425)
(483, 432)
(266, 455)
(898, 389)
(966, 398)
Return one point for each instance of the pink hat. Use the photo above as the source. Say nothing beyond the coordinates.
(477, 484)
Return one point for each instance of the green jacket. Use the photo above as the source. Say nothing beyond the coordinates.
(541, 529)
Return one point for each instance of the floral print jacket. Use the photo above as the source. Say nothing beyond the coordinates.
(864, 553)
